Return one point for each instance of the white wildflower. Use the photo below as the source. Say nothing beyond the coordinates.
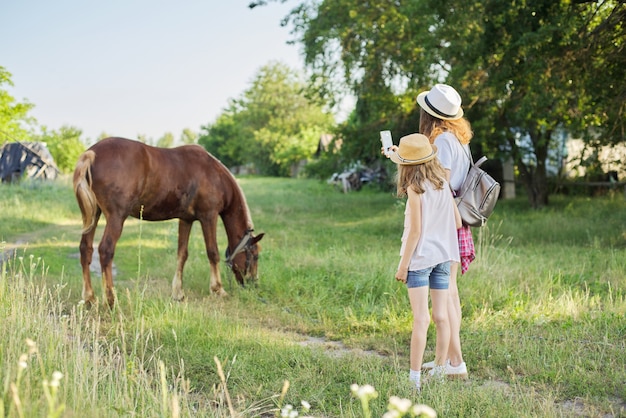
(30, 343)
(56, 378)
(401, 405)
(23, 361)
(288, 412)
(366, 391)
(419, 410)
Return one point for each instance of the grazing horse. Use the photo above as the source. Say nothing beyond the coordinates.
(120, 178)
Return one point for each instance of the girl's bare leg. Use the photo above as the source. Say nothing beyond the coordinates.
(454, 313)
(418, 296)
(439, 299)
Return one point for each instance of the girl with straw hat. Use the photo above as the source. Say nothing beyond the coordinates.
(429, 246)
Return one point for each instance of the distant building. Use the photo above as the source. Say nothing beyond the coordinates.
(610, 158)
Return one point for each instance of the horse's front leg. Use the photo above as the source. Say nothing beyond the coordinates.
(86, 253)
(209, 232)
(106, 249)
(184, 229)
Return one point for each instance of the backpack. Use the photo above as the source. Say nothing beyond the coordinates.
(477, 196)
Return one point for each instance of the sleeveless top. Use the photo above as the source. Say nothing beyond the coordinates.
(453, 156)
(438, 241)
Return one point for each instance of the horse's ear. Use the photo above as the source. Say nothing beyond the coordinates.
(257, 238)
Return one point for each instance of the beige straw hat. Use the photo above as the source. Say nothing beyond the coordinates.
(414, 149)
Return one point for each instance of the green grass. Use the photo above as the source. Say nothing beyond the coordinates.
(544, 329)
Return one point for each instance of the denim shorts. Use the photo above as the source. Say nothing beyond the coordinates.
(437, 277)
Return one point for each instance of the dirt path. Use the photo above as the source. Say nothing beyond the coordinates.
(9, 249)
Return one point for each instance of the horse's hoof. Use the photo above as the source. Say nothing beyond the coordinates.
(179, 298)
(221, 292)
(89, 303)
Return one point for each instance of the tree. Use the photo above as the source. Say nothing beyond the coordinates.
(15, 124)
(274, 125)
(528, 70)
(14, 118)
(65, 145)
(374, 50)
(166, 141)
(228, 138)
(532, 70)
(188, 136)
(603, 62)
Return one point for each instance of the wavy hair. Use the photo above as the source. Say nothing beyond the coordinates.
(414, 176)
(433, 127)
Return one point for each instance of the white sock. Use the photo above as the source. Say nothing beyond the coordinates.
(415, 377)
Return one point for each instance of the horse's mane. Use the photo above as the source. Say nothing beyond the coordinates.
(234, 181)
(245, 203)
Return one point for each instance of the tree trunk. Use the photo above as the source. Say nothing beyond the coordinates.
(534, 175)
(535, 185)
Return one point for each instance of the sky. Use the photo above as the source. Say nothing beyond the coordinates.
(138, 67)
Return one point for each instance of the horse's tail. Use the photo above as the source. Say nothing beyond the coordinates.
(82, 189)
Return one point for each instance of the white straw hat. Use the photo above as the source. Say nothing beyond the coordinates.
(442, 101)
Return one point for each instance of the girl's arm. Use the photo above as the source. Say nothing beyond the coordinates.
(457, 215)
(413, 237)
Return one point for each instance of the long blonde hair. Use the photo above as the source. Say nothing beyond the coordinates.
(433, 127)
(414, 176)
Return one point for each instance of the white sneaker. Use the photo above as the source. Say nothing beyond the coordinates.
(428, 365)
(415, 379)
(458, 372)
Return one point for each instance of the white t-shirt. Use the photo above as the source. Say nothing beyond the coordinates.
(438, 240)
(454, 157)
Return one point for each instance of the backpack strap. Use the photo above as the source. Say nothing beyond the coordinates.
(468, 155)
(472, 164)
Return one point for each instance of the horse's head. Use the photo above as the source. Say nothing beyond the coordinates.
(244, 259)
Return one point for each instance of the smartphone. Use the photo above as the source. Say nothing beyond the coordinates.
(385, 139)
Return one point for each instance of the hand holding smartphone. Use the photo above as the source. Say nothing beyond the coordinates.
(385, 139)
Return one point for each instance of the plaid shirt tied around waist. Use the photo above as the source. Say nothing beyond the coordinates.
(466, 247)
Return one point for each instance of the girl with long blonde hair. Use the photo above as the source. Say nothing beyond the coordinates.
(429, 246)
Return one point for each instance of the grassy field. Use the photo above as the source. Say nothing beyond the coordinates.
(544, 305)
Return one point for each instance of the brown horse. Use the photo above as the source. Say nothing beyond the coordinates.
(120, 178)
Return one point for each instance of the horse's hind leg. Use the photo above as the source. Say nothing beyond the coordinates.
(106, 249)
(184, 229)
(86, 253)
